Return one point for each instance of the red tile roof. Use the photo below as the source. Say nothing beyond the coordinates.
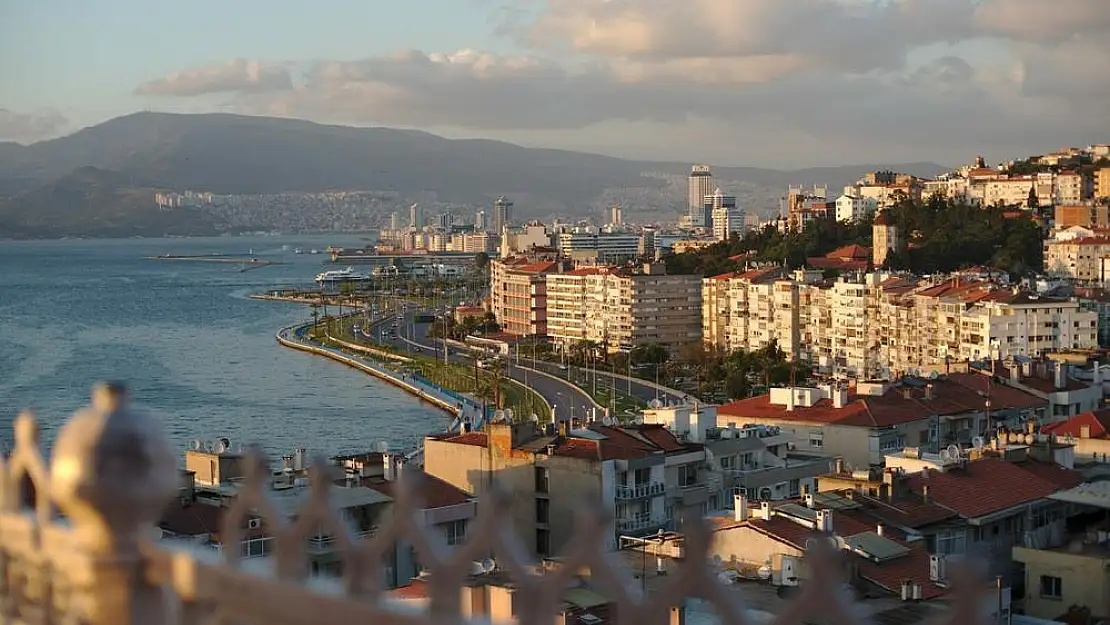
(984, 487)
(850, 252)
(890, 574)
(416, 589)
(1098, 421)
(1002, 395)
(477, 439)
(892, 408)
(912, 512)
(1062, 477)
(435, 492)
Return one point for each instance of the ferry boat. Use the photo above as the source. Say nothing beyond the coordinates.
(336, 276)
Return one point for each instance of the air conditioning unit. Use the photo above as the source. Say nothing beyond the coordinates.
(254, 524)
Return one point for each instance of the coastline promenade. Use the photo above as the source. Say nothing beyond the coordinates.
(459, 405)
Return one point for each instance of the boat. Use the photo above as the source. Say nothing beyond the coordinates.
(298, 251)
(314, 251)
(336, 276)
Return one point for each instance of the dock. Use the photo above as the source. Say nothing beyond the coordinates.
(246, 263)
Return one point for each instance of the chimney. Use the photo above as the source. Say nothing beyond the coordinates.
(387, 468)
(839, 397)
(838, 466)
(1015, 373)
(765, 510)
(740, 503)
(907, 393)
(1061, 375)
(678, 615)
(1084, 431)
(809, 501)
(928, 391)
(879, 529)
(824, 521)
(925, 493)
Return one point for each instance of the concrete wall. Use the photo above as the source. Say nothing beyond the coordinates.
(743, 545)
(1084, 580)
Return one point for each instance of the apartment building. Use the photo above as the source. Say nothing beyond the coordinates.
(643, 476)
(863, 423)
(607, 247)
(1102, 183)
(518, 292)
(623, 308)
(1085, 215)
(883, 325)
(1079, 259)
(715, 310)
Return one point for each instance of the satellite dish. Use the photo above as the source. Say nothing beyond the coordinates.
(226, 443)
(489, 565)
(208, 446)
(498, 415)
(655, 403)
(954, 451)
(765, 572)
(933, 375)
(535, 418)
(639, 420)
(197, 444)
(811, 543)
(381, 447)
(221, 447)
(978, 442)
(476, 568)
(945, 456)
(607, 420)
(508, 414)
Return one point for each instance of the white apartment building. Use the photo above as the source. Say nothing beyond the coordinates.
(852, 207)
(884, 325)
(1077, 258)
(607, 247)
(621, 309)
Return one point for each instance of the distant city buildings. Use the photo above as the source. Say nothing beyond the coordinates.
(480, 221)
(502, 214)
(616, 215)
(416, 217)
(700, 186)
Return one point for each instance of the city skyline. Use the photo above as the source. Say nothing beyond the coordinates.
(954, 78)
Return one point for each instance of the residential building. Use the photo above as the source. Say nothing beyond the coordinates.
(518, 292)
(623, 308)
(862, 423)
(1078, 259)
(715, 311)
(852, 207)
(616, 215)
(1102, 183)
(212, 480)
(1085, 215)
(1070, 187)
(589, 244)
(642, 475)
(885, 238)
(726, 219)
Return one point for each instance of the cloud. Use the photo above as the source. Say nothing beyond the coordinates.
(765, 81)
(25, 127)
(235, 76)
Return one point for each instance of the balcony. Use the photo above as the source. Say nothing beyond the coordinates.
(328, 543)
(642, 523)
(641, 491)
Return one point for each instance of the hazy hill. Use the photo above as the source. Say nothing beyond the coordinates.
(95, 202)
(230, 154)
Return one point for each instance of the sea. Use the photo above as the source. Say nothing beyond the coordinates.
(193, 349)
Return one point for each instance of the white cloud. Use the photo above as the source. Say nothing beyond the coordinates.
(776, 80)
(235, 76)
(25, 127)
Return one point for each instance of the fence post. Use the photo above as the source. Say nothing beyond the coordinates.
(113, 472)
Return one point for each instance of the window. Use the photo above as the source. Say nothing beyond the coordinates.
(643, 476)
(816, 441)
(727, 462)
(543, 542)
(795, 488)
(687, 475)
(255, 547)
(1052, 587)
(456, 532)
(541, 479)
(951, 542)
(543, 510)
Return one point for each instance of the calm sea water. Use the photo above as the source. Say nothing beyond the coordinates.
(194, 350)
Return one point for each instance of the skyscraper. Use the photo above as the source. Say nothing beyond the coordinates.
(502, 213)
(725, 218)
(480, 221)
(394, 221)
(616, 215)
(416, 217)
(701, 185)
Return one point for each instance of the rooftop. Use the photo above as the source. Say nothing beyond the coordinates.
(435, 493)
(990, 485)
(1097, 422)
(603, 443)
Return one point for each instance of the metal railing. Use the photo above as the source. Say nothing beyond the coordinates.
(78, 545)
(330, 542)
(641, 491)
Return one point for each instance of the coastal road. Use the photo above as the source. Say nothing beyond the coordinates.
(567, 400)
(645, 392)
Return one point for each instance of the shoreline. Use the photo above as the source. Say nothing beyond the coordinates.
(455, 406)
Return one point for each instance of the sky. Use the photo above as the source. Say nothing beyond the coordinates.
(775, 83)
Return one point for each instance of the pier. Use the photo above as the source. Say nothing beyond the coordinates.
(246, 263)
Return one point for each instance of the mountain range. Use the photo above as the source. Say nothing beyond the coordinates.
(100, 180)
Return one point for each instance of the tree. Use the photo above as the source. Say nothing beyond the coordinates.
(649, 354)
(1032, 202)
(481, 261)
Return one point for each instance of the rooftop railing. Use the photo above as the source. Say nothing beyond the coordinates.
(78, 544)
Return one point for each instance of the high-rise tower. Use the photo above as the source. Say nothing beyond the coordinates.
(480, 221)
(416, 217)
(701, 185)
(502, 213)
